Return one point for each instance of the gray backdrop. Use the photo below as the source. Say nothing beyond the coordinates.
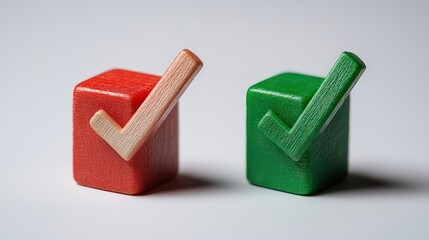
(47, 47)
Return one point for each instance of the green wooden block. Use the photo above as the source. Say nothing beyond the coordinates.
(297, 128)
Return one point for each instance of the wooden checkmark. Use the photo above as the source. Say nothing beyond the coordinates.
(295, 140)
(127, 140)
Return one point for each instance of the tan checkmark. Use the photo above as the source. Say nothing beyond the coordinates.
(149, 116)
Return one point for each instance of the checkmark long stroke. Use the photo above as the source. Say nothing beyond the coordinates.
(127, 141)
(335, 88)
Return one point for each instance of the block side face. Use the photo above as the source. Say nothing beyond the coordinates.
(95, 163)
(323, 164)
(160, 154)
(267, 165)
(328, 154)
(258, 103)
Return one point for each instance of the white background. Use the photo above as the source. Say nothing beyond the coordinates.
(47, 47)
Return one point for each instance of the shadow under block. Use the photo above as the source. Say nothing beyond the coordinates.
(95, 163)
(325, 160)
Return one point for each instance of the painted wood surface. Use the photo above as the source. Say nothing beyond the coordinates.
(297, 128)
(95, 163)
(144, 104)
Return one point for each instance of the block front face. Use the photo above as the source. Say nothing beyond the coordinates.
(95, 163)
(325, 161)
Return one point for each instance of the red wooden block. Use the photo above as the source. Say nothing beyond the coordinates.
(95, 163)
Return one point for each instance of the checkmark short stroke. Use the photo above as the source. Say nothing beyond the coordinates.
(128, 140)
(295, 140)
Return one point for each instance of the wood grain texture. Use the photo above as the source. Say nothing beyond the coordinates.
(295, 140)
(127, 140)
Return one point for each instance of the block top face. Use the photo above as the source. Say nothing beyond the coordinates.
(287, 94)
(120, 83)
(293, 86)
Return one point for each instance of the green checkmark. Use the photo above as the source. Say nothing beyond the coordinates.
(295, 140)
